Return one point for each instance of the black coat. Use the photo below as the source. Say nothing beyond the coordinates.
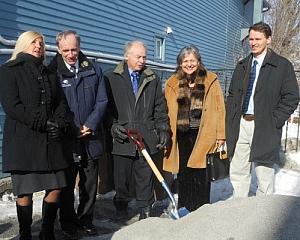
(30, 95)
(146, 112)
(276, 97)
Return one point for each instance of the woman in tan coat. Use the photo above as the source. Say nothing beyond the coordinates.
(197, 118)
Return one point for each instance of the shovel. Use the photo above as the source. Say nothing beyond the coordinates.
(136, 137)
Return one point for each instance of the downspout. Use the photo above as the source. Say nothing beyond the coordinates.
(226, 33)
(257, 11)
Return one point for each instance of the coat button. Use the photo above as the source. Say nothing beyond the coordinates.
(42, 102)
(43, 91)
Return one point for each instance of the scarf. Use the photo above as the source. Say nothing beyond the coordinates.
(190, 102)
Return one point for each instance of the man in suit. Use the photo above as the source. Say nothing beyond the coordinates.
(136, 102)
(263, 94)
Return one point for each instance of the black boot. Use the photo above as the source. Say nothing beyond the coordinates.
(49, 214)
(144, 213)
(25, 220)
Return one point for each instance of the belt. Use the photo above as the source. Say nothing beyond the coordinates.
(248, 117)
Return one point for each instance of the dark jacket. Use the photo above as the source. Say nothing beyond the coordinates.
(276, 97)
(87, 99)
(30, 96)
(146, 112)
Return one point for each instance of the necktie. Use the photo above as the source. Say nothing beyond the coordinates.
(73, 69)
(134, 82)
(250, 87)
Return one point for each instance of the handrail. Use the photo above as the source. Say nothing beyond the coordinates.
(99, 56)
(7, 42)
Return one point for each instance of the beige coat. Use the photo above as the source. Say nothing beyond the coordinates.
(212, 124)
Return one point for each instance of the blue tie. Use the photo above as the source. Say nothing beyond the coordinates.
(250, 87)
(134, 81)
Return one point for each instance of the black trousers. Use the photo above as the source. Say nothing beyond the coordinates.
(88, 183)
(193, 187)
(133, 177)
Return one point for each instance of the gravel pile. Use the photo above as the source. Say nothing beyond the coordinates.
(260, 218)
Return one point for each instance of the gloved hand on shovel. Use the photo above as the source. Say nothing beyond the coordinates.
(163, 139)
(118, 132)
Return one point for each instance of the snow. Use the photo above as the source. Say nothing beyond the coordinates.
(287, 182)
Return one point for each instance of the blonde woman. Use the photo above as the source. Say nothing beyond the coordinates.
(197, 118)
(35, 114)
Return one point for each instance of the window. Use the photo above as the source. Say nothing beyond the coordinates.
(159, 49)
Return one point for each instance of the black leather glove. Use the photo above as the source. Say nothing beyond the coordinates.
(163, 139)
(54, 131)
(118, 132)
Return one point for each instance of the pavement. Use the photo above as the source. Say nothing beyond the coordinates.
(104, 218)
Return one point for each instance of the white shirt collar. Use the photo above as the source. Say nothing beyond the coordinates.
(130, 71)
(69, 66)
(259, 59)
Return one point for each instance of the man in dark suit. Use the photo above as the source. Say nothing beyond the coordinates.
(136, 102)
(263, 94)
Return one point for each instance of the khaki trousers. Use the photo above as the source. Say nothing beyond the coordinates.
(240, 167)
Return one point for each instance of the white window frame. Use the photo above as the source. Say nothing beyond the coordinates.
(159, 48)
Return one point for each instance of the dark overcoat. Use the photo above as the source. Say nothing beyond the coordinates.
(26, 146)
(276, 96)
(145, 112)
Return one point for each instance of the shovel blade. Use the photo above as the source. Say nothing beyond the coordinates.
(182, 212)
(177, 214)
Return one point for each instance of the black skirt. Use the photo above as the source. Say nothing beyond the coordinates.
(193, 187)
(30, 182)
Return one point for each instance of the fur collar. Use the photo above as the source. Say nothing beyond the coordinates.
(190, 103)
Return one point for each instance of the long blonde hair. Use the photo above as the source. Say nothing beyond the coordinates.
(24, 41)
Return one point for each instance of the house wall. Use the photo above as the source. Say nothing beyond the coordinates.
(213, 26)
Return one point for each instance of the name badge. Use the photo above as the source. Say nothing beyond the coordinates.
(65, 83)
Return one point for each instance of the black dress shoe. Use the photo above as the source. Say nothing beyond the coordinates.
(89, 229)
(121, 215)
(70, 235)
(144, 213)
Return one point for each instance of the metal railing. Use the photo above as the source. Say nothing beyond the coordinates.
(292, 127)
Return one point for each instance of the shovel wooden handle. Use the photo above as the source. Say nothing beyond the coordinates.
(152, 165)
(136, 137)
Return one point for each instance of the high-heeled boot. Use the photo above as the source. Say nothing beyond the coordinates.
(49, 212)
(24, 214)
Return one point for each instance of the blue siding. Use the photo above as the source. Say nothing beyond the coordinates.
(1, 131)
(214, 26)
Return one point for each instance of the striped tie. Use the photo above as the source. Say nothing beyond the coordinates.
(73, 69)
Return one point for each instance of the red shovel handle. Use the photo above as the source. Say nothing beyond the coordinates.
(136, 137)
